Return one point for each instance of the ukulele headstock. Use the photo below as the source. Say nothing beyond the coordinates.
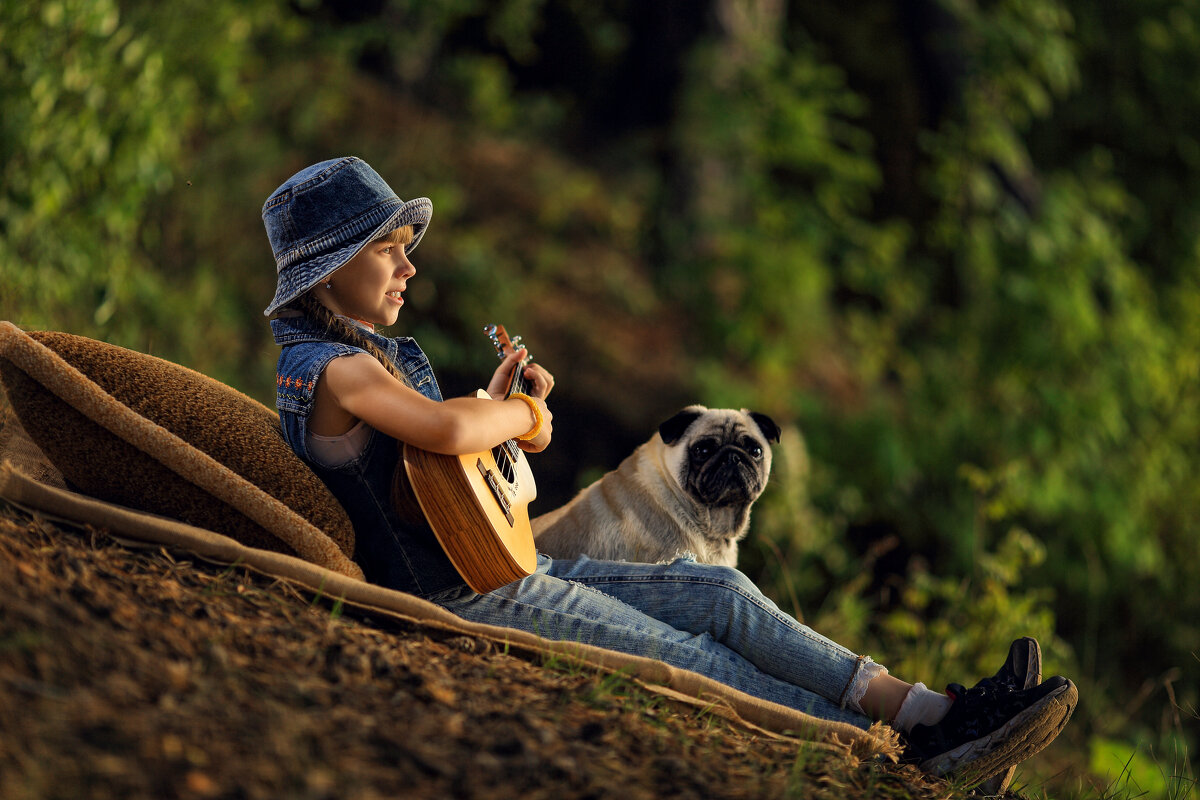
(503, 343)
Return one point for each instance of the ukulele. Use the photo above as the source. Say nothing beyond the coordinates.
(478, 504)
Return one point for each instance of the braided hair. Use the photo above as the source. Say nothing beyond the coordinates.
(341, 330)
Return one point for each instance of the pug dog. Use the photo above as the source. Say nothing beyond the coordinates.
(688, 489)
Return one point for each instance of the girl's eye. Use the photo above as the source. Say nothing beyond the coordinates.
(387, 251)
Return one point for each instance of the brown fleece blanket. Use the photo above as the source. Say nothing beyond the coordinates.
(159, 454)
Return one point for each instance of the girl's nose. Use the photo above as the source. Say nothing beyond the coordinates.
(405, 267)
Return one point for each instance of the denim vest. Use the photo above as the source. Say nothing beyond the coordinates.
(392, 552)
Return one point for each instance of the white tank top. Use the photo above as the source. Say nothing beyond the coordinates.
(334, 451)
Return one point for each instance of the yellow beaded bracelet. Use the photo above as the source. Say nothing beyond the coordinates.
(537, 416)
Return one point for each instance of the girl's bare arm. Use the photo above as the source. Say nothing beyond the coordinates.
(358, 387)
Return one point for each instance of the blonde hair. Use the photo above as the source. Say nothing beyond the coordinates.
(343, 331)
(402, 235)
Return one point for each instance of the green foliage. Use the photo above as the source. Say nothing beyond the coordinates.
(775, 181)
(97, 109)
(999, 372)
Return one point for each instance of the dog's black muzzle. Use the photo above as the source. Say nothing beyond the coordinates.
(729, 477)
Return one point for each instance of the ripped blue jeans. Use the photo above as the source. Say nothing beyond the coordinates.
(707, 619)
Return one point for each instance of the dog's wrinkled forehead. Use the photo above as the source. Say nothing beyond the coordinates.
(724, 424)
(727, 426)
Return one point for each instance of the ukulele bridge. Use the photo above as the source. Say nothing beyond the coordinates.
(497, 492)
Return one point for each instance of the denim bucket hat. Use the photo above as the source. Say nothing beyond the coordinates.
(324, 214)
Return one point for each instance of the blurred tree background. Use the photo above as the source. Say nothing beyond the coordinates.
(951, 245)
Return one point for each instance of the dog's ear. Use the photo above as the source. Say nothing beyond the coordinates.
(672, 429)
(766, 425)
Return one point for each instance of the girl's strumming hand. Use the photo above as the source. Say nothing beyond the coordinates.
(538, 381)
(540, 442)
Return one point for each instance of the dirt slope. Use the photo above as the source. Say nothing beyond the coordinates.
(141, 674)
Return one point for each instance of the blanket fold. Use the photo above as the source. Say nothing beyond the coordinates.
(139, 431)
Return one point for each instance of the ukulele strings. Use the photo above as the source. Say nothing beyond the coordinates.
(518, 386)
(507, 453)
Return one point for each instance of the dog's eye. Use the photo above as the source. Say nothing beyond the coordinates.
(702, 450)
(752, 448)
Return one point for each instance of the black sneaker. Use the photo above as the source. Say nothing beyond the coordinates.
(989, 729)
(1022, 670)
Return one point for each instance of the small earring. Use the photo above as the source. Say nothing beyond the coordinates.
(328, 285)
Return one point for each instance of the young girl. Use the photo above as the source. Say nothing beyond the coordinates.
(347, 396)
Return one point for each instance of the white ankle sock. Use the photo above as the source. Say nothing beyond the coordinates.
(921, 706)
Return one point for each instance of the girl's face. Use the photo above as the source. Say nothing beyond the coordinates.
(369, 286)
